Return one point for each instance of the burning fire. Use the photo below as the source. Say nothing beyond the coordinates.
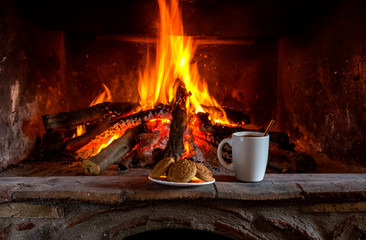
(174, 54)
(101, 143)
(105, 96)
(157, 82)
(80, 130)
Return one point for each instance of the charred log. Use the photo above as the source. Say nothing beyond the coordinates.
(174, 147)
(73, 144)
(158, 154)
(215, 133)
(76, 143)
(69, 120)
(114, 152)
(160, 111)
(51, 138)
(126, 161)
(144, 151)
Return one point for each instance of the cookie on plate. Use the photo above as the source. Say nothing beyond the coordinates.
(203, 172)
(162, 167)
(182, 171)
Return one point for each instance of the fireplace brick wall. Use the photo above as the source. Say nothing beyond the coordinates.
(322, 84)
(32, 82)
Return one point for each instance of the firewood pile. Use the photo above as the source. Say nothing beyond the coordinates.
(142, 137)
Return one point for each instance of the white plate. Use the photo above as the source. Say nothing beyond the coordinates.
(194, 183)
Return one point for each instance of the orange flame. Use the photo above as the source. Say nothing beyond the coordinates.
(105, 96)
(173, 60)
(106, 138)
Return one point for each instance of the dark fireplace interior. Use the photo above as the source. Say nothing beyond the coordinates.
(302, 63)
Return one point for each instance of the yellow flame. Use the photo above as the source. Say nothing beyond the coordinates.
(174, 55)
(161, 120)
(104, 145)
(80, 129)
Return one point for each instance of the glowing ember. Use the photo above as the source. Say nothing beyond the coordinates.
(173, 60)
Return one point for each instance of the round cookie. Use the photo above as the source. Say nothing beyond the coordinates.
(162, 167)
(203, 172)
(182, 171)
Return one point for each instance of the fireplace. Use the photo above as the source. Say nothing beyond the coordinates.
(301, 64)
(272, 62)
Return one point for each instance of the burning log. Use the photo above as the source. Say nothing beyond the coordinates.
(174, 147)
(144, 155)
(114, 152)
(160, 111)
(76, 143)
(193, 152)
(69, 120)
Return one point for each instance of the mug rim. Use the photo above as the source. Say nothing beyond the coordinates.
(244, 134)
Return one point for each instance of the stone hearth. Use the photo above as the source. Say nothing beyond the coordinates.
(282, 206)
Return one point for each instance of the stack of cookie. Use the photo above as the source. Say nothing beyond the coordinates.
(181, 171)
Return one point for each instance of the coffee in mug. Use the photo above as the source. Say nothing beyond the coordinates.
(249, 155)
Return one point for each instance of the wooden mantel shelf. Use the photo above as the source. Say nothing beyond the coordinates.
(120, 189)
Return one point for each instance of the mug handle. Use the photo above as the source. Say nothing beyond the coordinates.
(219, 154)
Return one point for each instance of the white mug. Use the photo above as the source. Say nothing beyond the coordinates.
(249, 155)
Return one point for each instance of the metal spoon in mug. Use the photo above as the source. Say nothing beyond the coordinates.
(268, 128)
